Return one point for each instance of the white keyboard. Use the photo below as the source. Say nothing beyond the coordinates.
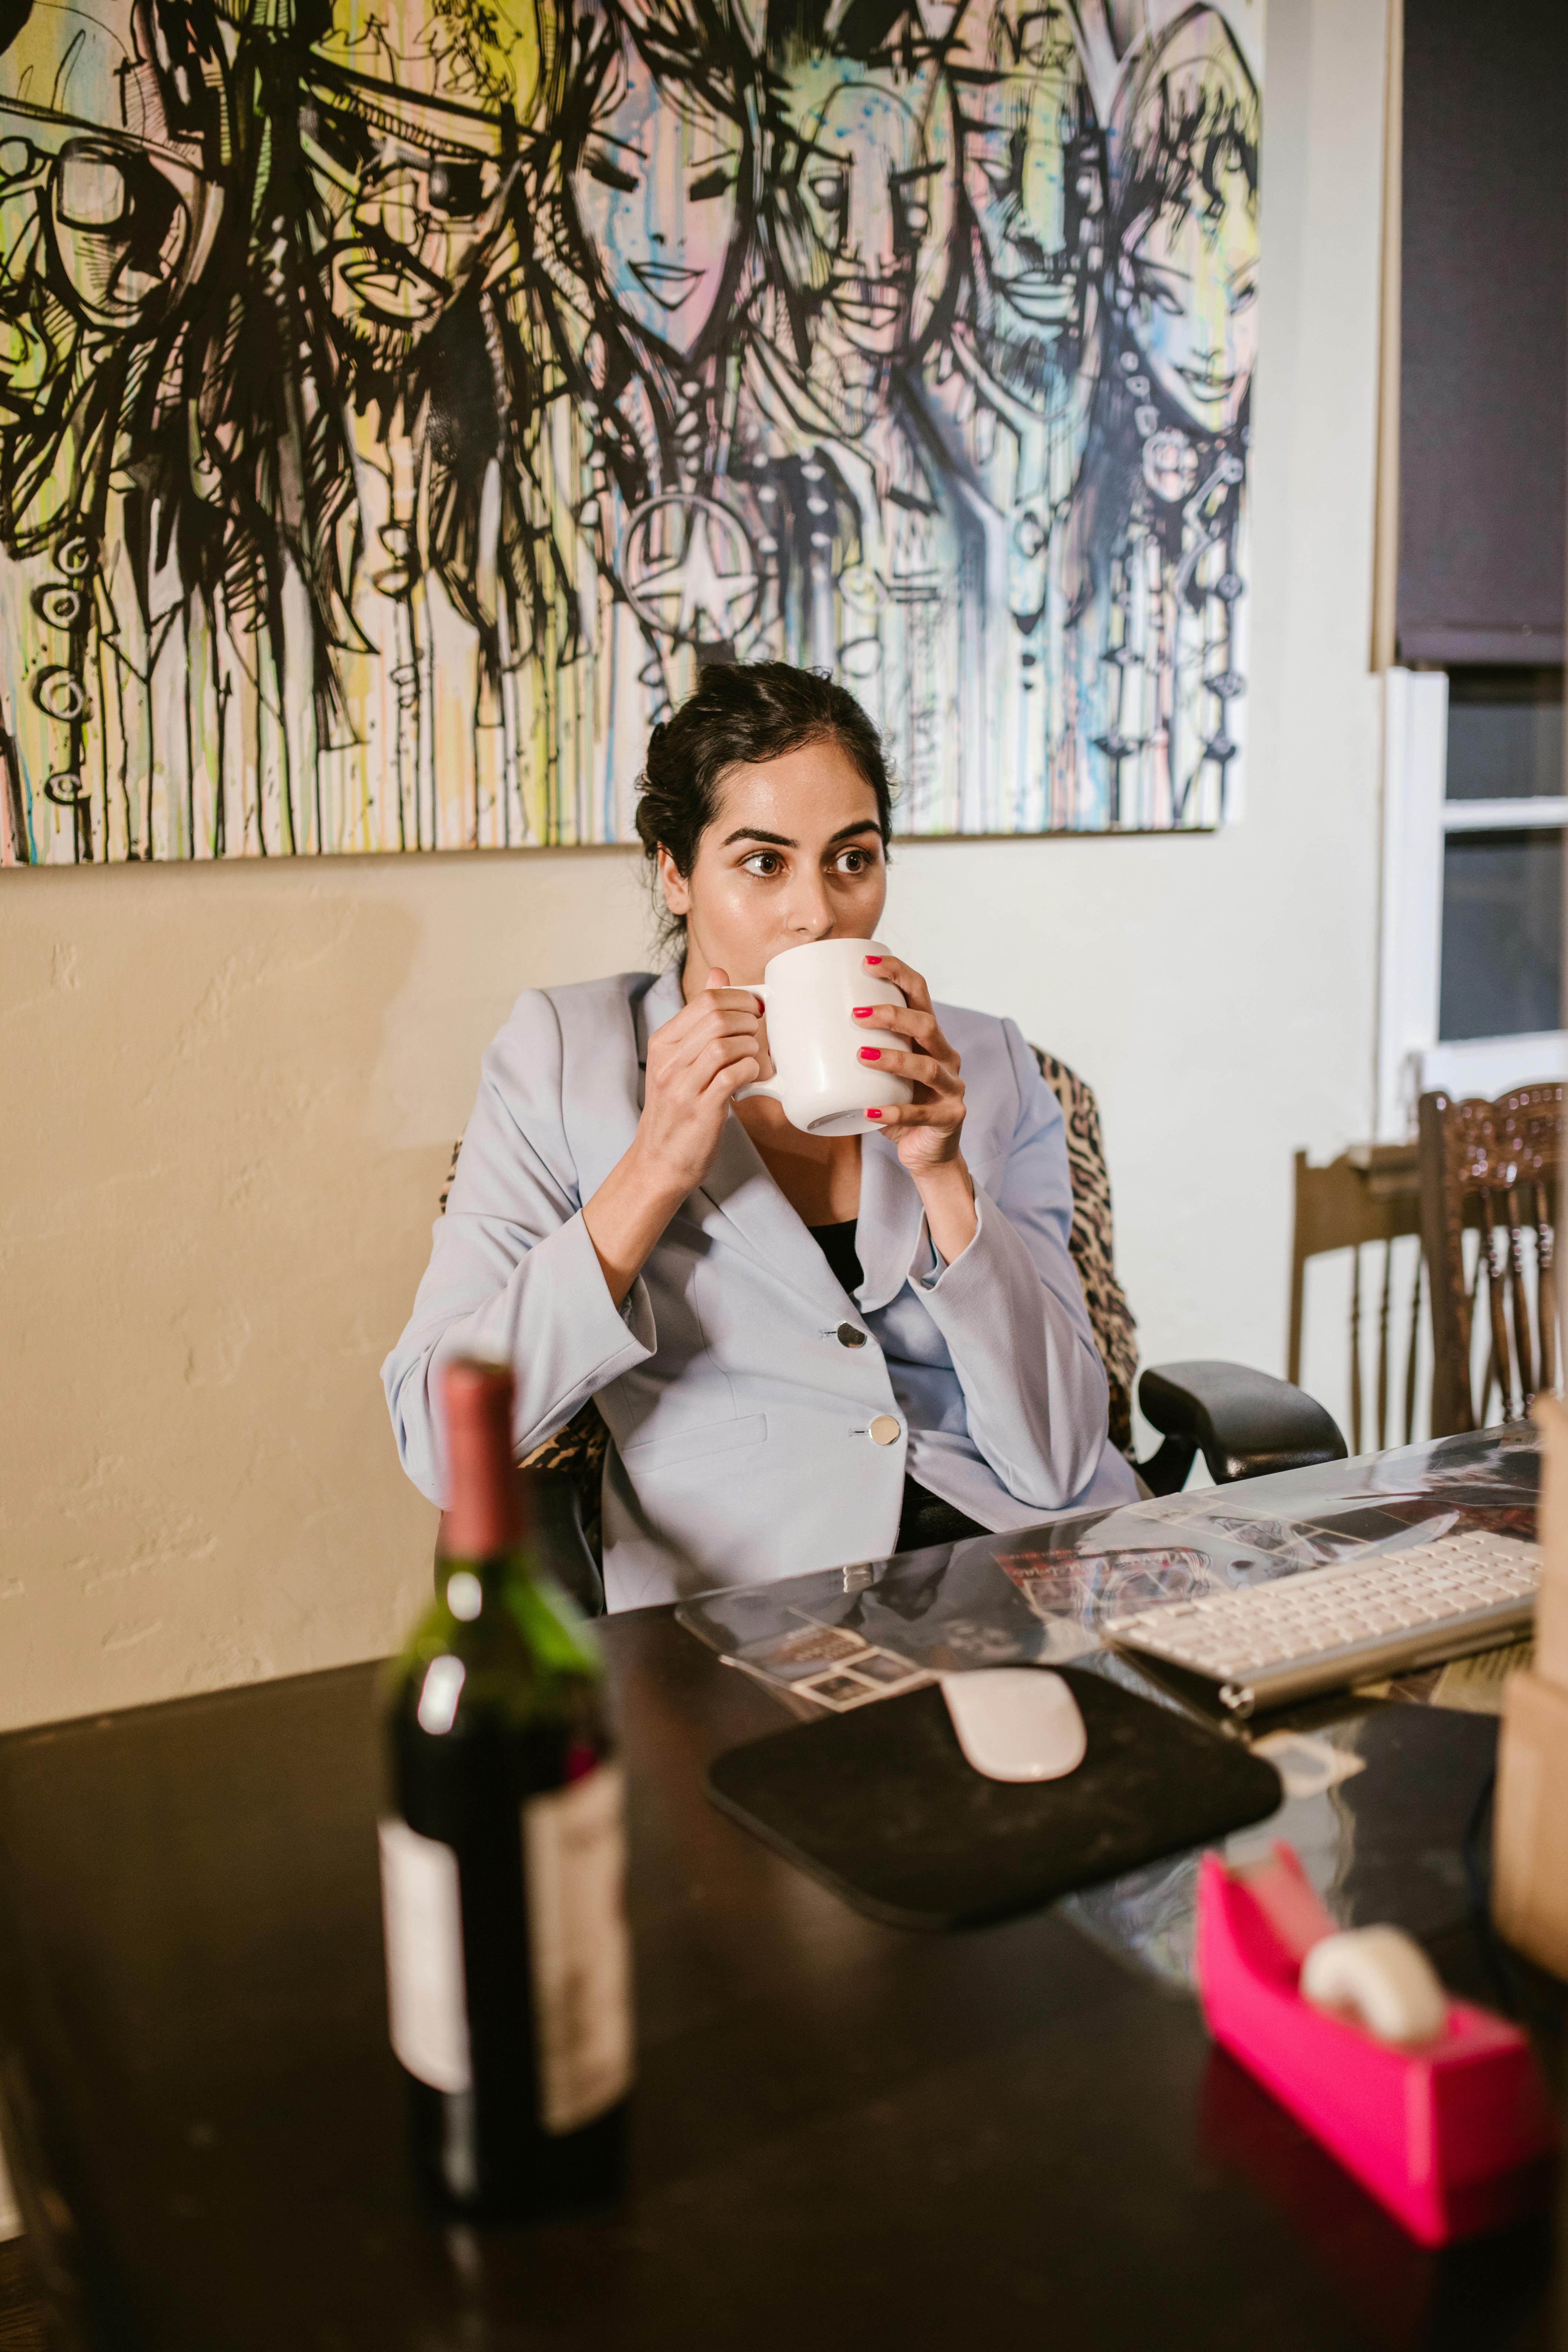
(1324, 1628)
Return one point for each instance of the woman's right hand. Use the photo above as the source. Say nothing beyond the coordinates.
(696, 1065)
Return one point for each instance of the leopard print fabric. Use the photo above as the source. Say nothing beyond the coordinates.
(579, 1447)
(1092, 1240)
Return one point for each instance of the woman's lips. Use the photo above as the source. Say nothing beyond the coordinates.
(1207, 386)
(400, 294)
(667, 282)
(867, 301)
(1037, 295)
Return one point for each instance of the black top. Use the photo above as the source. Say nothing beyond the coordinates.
(925, 1519)
(836, 1243)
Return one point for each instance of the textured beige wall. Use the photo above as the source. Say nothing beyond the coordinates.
(229, 1093)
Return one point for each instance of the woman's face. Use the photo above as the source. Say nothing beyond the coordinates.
(870, 190)
(657, 191)
(1192, 302)
(794, 853)
(1033, 177)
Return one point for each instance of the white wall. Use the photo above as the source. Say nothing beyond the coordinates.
(230, 1092)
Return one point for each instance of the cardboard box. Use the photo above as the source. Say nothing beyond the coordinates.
(1551, 1417)
(1530, 1846)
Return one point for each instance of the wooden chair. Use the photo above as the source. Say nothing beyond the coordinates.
(1370, 1195)
(1494, 1165)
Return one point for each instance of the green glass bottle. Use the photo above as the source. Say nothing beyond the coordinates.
(502, 1856)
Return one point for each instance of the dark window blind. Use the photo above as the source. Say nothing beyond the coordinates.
(1483, 405)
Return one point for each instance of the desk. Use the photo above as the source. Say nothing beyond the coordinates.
(844, 2135)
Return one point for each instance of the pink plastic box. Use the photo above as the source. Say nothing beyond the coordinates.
(1454, 2137)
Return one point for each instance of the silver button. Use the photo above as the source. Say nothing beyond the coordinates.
(851, 1335)
(885, 1430)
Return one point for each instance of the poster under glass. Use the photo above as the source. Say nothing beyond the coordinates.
(400, 398)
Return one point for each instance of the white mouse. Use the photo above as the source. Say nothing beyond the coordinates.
(1017, 1723)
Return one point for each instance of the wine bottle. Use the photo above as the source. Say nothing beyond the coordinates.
(502, 1856)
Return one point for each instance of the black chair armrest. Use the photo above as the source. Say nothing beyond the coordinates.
(1244, 1423)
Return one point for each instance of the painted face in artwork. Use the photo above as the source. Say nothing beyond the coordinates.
(870, 191)
(99, 232)
(658, 193)
(1190, 273)
(1033, 176)
(406, 133)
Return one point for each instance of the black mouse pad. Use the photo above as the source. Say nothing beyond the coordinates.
(882, 1805)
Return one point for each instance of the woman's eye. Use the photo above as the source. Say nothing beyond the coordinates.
(711, 183)
(917, 219)
(1240, 295)
(828, 190)
(763, 862)
(854, 861)
(1154, 289)
(610, 175)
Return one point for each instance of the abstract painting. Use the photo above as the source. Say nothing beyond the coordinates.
(399, 399)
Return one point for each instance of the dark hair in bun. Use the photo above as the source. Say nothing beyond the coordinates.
(739, 714)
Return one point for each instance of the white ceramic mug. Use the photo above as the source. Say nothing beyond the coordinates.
(809, 994)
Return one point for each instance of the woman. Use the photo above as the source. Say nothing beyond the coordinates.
(808, 1349)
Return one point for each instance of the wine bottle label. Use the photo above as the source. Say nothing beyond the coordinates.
(423, 1920)
(574, 1854)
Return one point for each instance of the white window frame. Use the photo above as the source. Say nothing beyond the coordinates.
(1417, 817)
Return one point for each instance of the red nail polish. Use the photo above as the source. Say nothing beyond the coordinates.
(870, 1052)
(873, 1113)
(863, 1011)
(873, 958)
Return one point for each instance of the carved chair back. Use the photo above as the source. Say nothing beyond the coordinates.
(1493, 1165)
(1369, 1197)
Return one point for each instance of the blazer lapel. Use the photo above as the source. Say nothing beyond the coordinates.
(891, 1219)
(740, 1187)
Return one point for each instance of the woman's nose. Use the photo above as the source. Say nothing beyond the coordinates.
(809, 915)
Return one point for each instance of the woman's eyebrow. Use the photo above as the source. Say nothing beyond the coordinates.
(782, 841)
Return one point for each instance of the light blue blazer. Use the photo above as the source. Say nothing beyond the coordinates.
(739, 1380)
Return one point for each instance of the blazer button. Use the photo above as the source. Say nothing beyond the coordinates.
(884, 1429)
(851, 1335)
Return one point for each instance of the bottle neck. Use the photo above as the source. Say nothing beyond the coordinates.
(485, 1511)
(492, 1571)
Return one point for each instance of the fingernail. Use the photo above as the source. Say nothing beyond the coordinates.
(870, 1052)
(862, 1011)
(873, 1113)
(873, 958)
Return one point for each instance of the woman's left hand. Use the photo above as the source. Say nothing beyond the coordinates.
(927, 1130)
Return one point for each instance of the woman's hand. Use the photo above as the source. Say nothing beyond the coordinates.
(696, 1065)
(928, 1129)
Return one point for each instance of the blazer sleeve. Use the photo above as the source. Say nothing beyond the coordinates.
(1011, 1310)
(514, 1277)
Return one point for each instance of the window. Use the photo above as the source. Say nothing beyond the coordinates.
(1474, 812)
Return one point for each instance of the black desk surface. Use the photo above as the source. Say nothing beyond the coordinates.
(844, 2134)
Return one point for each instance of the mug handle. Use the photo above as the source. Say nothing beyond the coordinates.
(769, 1087)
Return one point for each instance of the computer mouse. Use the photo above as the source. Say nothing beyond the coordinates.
(1017, 1723)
